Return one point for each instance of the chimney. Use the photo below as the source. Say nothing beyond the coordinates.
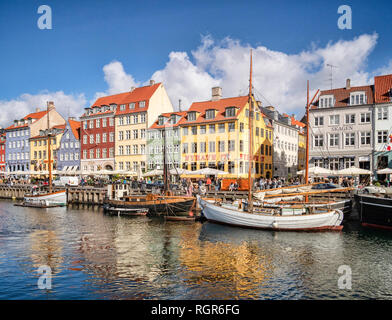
(216, 93)
(179, 105)
(348, 84)
(152, 82)
(132, 88)
(36, 109)
(51, 105)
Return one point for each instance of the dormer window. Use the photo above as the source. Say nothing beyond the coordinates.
(132, 105)
(113, 107)
(357, 98)
(173, 119)
(210, 114)
(192, 116)
(161, 121)
(326, 101)
(230, 112)
(122, 107)
(142, 104)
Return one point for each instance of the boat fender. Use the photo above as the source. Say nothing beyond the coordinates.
(275, 225)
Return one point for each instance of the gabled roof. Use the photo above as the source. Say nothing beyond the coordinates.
(75, 127)
(342, 95)
(294, 121)
(181, 114)
(34, 115)
(219, 105)
(382, 88)
(135, 96)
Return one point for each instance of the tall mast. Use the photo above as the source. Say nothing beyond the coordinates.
(307, 137)
(165, 173)
(250, 181)
(49, 151)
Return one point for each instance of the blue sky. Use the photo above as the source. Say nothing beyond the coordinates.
(87, 35)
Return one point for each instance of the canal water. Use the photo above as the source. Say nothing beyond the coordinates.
(94, 256)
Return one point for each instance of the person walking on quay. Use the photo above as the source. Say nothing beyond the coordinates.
(189, 188)
(208, 183)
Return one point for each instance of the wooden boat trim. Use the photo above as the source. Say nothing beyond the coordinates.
(283, 195)
(44, 195)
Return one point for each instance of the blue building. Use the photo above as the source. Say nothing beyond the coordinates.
(68, 156)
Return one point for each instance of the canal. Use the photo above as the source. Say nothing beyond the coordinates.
(94, 256)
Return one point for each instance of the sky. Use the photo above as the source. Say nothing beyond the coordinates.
(97, 48)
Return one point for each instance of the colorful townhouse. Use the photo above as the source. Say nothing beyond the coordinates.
(39, 149)
(136, 112)
(341, 125)
(165, 129)
(2, 150)
(215, 134)
(17, 152)
(68, 156)
(382, 122)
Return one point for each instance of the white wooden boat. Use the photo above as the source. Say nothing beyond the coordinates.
(57, 198)
(294, 218)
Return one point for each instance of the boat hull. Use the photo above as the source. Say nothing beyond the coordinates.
(58, 198)
(374, 212)
(330, 220)
(158, 207)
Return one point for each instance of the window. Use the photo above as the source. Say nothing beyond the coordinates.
(211, 146)
(121, 150)
(231, 126)
(242, 146)
(257, 131)
(185, 131)
(202, 147)
(382, 136)
(221, 127)
(350, 139)
(104, 135)
(365, 117)
(210, 114)
(221, 146)
(111, 122)
(111, 137)
(135, 149)
(142, 133)
(185, 148)
(202, 129)
(136, 134)
(194, 130)
(91, 153)
(357, 98)
(231, 145)
(121, 135)
(91, 138)
(231, 166)
(111, 153)
(334, 119)
(211, 128)
(98, 153)
(85, 125)
(97, 123)
(128, 150)
(122, 107)
(230, 112)
(128, 119)
(120, 121)
(104, 123)
(350, 118)
(142, 104)
(382, 113)
(334, 140)
(241, 127)
(97, 138)
(142, 149)
(192, 116)
(318, 140)
(161, 120)
(365, 138)
(84, 154)
(194, 147)
(132, 105)
(91, 124)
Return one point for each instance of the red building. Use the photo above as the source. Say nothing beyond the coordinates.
(2, 152)
(97, 136)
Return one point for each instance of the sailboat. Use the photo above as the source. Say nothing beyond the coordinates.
(122, 201)
(50, 198)
(298, 217)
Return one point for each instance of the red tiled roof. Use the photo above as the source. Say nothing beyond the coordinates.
(34, 115)
(219, 105)
(342, 95)
(294, 121)
(382, 87)
(135, 96)
(75, 127)
(59, 126)
(168, 115)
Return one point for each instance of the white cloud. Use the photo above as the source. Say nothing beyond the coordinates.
(66, 105)
(279, 78)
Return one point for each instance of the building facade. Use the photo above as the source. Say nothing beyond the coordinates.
(39, 149)
(341, 128)
(17, 155)
(168, 124)
(136, 112)
(382, 123)
(215, 134)
(97, 135)
(68, 156)
(2, 151)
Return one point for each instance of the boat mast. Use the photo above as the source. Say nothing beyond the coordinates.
(49, 151)
(165, 177)
(307, 137)
(250, 181)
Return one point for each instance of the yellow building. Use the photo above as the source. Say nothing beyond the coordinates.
(136, 112)
(301, 149)
(39, 149)
(215, 134)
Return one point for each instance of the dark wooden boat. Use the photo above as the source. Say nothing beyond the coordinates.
(375, 210)
(130, 212)
(156, 205)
